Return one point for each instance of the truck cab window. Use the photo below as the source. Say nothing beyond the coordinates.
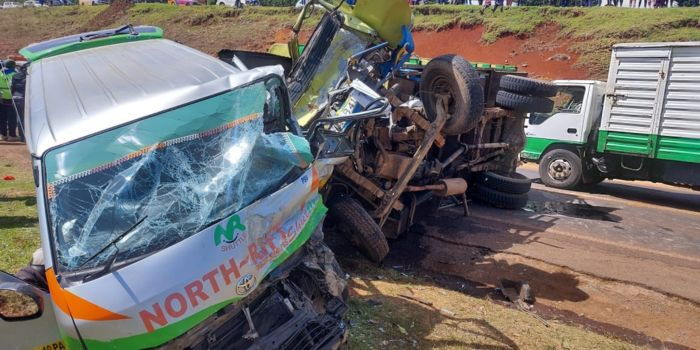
(569, 99)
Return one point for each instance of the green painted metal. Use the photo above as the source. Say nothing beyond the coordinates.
(625, 142)
(88, 44)
(535, 147)
(679, 149)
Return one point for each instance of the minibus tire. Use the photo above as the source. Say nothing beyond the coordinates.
(359, 228)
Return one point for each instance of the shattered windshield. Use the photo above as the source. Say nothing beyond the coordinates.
(331, 69)
(182, 170)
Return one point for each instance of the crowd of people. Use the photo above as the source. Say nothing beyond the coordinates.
(12, 81)
(564, 3)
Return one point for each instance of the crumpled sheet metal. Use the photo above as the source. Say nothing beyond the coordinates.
(329, 73)
(182, 170)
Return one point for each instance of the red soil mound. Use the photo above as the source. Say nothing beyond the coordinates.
(542, 54)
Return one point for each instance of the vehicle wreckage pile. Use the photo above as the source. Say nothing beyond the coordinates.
(411, 134)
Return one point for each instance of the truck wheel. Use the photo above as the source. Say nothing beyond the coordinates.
(453, 76)
(521, 103)
(500, 199)
(527, 86)
(561, 168)
(356, 224)
(514, 184)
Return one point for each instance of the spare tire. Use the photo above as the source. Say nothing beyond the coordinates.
(527, 86)
(521, 103)
(453, 76)
(358, 226)
(515, 184)
(500, 199)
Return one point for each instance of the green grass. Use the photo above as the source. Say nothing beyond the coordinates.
(389, 310)
(19, 233)
(592, 31)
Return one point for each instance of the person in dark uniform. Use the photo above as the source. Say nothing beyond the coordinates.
(8, 118)
(19, 81)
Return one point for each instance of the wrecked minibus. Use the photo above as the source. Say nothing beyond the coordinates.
(357, 84)
(178, 205)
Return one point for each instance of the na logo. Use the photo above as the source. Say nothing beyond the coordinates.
(228, 234)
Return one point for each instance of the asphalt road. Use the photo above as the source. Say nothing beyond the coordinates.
(623, 257)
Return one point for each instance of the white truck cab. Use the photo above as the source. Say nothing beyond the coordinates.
(642, 124)
(577, 106)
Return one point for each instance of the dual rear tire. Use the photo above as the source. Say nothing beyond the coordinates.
(525, 95)
(501, 190)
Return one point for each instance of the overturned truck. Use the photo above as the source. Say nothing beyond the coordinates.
(414, 131)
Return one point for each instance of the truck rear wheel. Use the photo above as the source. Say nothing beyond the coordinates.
(515, 184)
(527, 86)
(500, 199)
(358, 226)
(522, 103)
(560, 168)
(453, 76)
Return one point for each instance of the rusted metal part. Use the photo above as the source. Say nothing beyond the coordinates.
(488, 145)
(409, 134)
(474, 165)
(382, 212)
(391, 165)
(494, 112)
(453, 156)
(443, 188)
(492, 165)
(417, 118)
(451, 187)
(347, 170)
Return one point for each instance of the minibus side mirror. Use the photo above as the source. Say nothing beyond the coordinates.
(19, 300)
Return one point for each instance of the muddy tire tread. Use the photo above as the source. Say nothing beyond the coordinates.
(527, 86)
(359, 227)
(514, 184)
(467, 81)
(500, 199)
(522, 103)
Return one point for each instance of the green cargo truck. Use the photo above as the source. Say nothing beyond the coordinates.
(643, 124)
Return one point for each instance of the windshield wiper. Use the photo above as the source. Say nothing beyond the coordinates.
(110, 261)
(106, 34)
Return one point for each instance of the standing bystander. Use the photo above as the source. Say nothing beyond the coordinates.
(487, 4)
(8, 118)
(19, 81)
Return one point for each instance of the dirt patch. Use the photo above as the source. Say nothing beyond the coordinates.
(542, 55)
(14, 154)
(116, 10)
(399, 308)
(634, 313)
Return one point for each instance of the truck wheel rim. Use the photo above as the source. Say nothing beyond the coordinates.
(440, 86)
(559, 169)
